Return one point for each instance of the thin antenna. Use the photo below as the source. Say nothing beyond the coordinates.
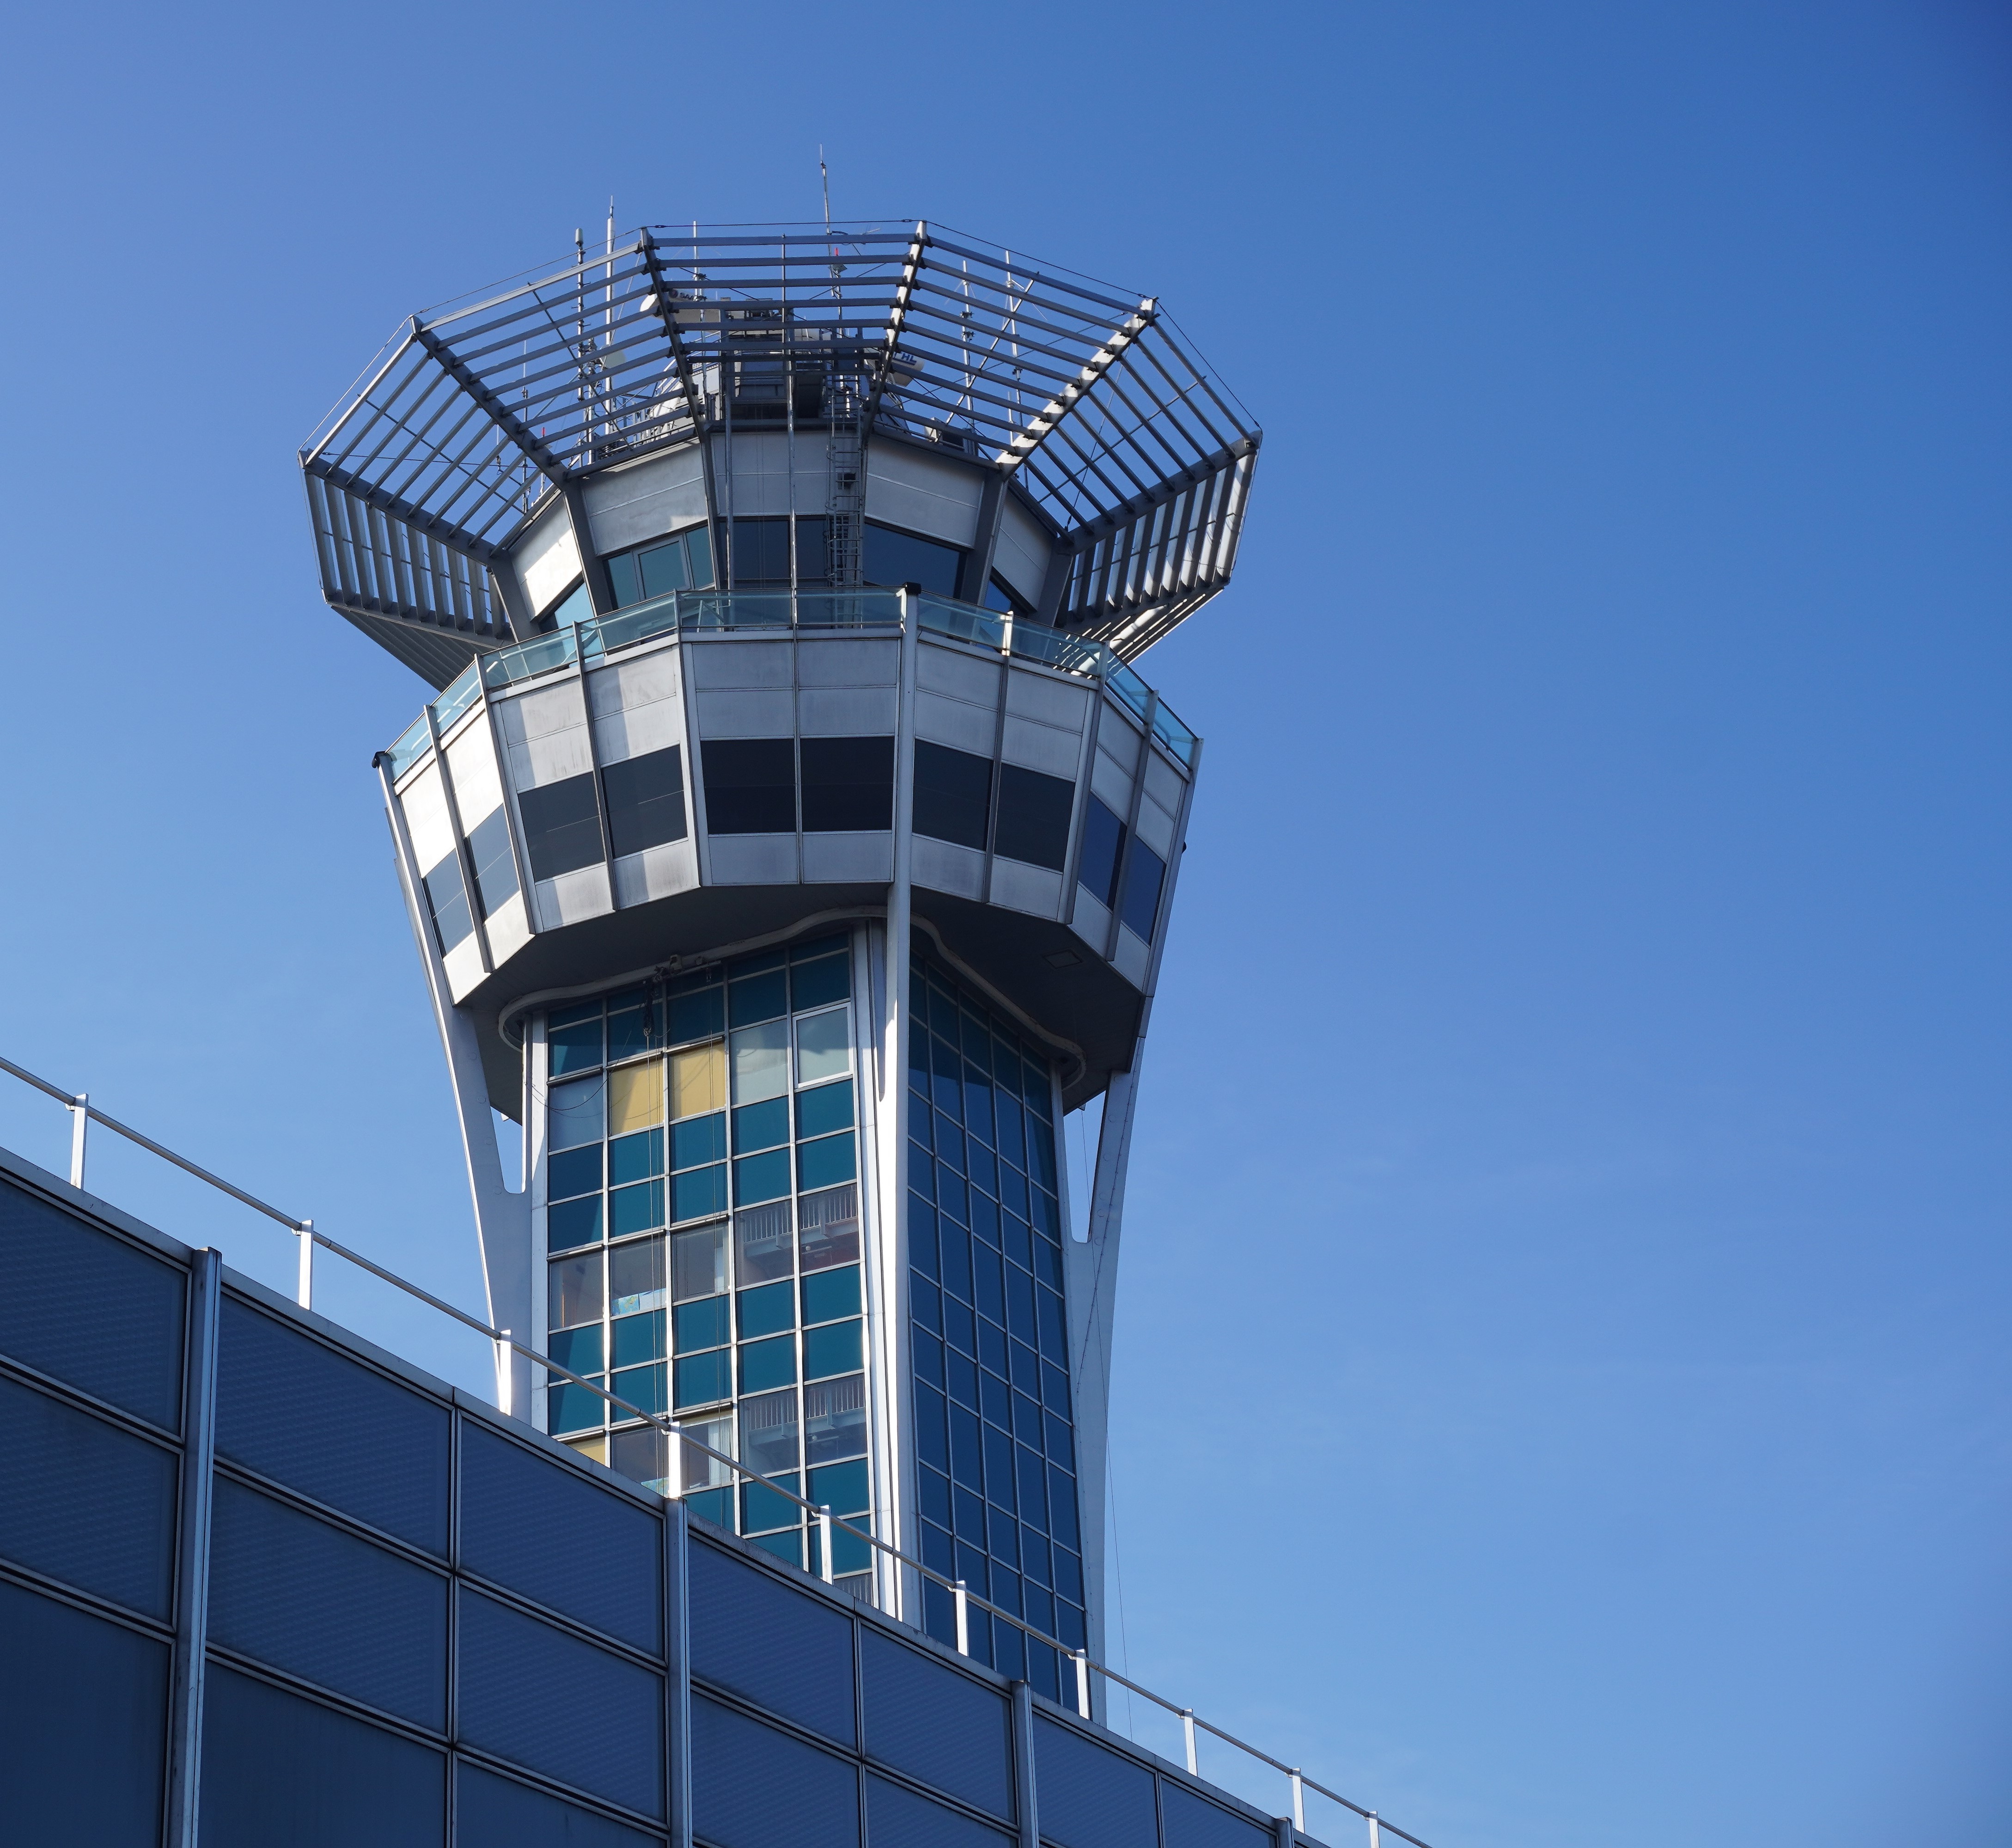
(837, 267)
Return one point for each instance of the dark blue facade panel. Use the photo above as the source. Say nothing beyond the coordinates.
(331, 1429)
(546, 1533)
(898, 1818)
(278, 1768)
(548, 1700)
(492, 1812)
(84, 1725)
(785, 1650)
(91, 1311)
(1189, 1820)
(83, 1501)
(936, 1724)
(754, 1787)
(305, 1598)
(1091, 1797)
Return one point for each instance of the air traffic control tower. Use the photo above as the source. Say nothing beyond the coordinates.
(791, 846)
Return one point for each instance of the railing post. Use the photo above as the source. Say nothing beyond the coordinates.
(1299, 1801)
(79, 1121)
(1082, 1682)
(303, 1275)
(824, 1543)
(1376, 1834)
(505, 1372)
(963, 1619)
(192, 1548)
(1188, 1738)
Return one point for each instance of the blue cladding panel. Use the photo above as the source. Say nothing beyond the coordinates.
(492, 1812)
(85, 1308)
(301, 1595)
(753, 1787)
(84, 1718)
(278, 1768)
(541, 1698)
(897, 1817)
(300, 1413)
(936, 1723)
(782, 1649)
(85, 1502)
(1192, 1821)
(1089, 1798)
(533, 1524)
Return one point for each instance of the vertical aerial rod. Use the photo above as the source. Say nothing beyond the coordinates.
(192, 1547)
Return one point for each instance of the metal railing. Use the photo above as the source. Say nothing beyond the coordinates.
(84, 1112)
(693, 612)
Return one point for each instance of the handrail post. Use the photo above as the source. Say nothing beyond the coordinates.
(79, 1121)
(1376, 1834)
(1082, 1682)
(1299, 1800)
(1187, 1735)
(824, 1542)
(963, 1619)
(505, 1373)
(304, 1271)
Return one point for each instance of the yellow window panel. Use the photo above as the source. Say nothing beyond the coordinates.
(635, 1097)
(594, 1449)
(698, 1080)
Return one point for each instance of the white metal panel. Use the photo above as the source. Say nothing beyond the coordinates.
(1019, 887)
(1041, 697)
(1133, 959)
(471, 762)
(1091, 922)
(964, 676)
(637, 707)
(754, 859)
(764, 464)
(1163, 782)
(1113, 788)
(1155, 828)
(867, 661)
(646, 499)
(1117, 737)
(657, 872)
(744, 712)
(1042, 747)
(925, 493)
(463, 964)
(425, 804)
(848, 859)
(740, 664)
(946, 867)
(547, 559)
(509, 928)
(636, 681)
(552, 759)
(1022, 555)
(846, 711)
(574, 895)
(953, 722)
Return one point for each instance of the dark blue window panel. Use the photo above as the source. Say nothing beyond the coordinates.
(812, 948)
(1091, 1797)
(492, 1812)
(1061, 1508)
(828, 1294)
(1192, 1821)
(698, 1194)
(834, 1348)
(301, 1415)
(965, 1465)
(638, 1208)
(83, 1720)
(561, 826)
(573, 1171)
(1020, 1303)
(953, 794)
(276, 1768)
(931, 1443)
(922, 1171)
(541, 1698)
(574, 1409)
(495, 866)
(699, 1139)
(989, 1289)
(699, 1015)
(812, 984)
(84, 1502)
(447, 898)
(316, 1602)
(825, 1163)
(960, 1326)
(704, 1379)
(635, 1157)
(646, 799)
(766, 1310)
(763, 1509)
(1055, 1335)
(825, 1110)
(644, 1387)
(898, 1817)
(999, 1466)
(760, 1126)
(85, 1308)
(753, 1787)
(1103, 844)
(1068, 1574)
(700, 1324)
(842, 1487)
(936, 1723)
(954, 1248)
(574, 1046)
(638, 1339)
(760, 1177)
(758, 998)
(894, 558)
(1143, 878)
(780, 1648)
(573, 1222)
(767, 1365)
(528, 1523)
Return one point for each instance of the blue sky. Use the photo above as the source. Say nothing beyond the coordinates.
(1562, 1382)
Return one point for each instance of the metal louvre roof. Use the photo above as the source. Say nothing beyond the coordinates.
(1086, 398)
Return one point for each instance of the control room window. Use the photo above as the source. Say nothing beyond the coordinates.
(495, 869)
(848, 784)
(953, 794)
(646, 799)
(1143, 878)
(751, 785)
(1102, 846)
(447, 898)
(561, 826)
(761, 554)
(1033, 816)
(895, 558)
(575, 606)
(683, 563)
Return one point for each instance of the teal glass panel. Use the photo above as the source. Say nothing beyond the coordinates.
(636, 1157)
(825, 1163)
(922, 1171)
(578, 1349)
(787, 1546)
(821, 1111)
(698, 544)
(815, 984)
(1041, 1155)
(704, 1379)
(834, 1348)
(758, 963)
(842, 1487)
(573, 1223)
(575, 1049)
(767, 1311)
(576, 1171)
(570, 1408)
(702, 1324)
(760, 1126)
(572, 1016)
(828, 1294)
(662, 569)
(640, 1386)
(850, 1552)
(701, 1015)
(635, 1208)
(765, 1365)
(759, 998)
(759, 1177)
(628, 1033)
(625, 579)
(699, 1139)
(698, 1194)
(636, 1338)
(762, 1508)
(715, 1505)
(820, 946)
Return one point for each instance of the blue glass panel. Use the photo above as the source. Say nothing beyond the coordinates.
(767, 1310)
(949, 1143)
(951, 1195)
(1061, 1508)
(579, 1348)
(959, 1327)
(1045, 1214)
(978, 1102)
(922, 1237)
(571, 1408)
(812, 948)
(961, 1376)
(759, 1177)
(715, 1505)
(573, 1222)
(1034, 1560)
(632, 1157)
(834, 1348)
(947, 1078)
(1020, 1303)
(955, 1244)
(642, 1387)
(1091, 1797)
(1041, 1155)
(816, 984)
(1048, 1262)
(1191, 1821)
(991, 1344)
(970, 1523)
(1096, 864)
(699, 1015)
(636, 1338)
(825, 1163)
(1002, 1535)
(761, 960)
(984, 1218)
(842, 1487)
(705, 1379)
(702, 1324)
(1026, 1366)
(925, 1717)
(924, 1303)
(898, 1817)
(932, 1443)
(754, 1787)
(760, 1126)
(629, 1031)
(759, 997)
(576, 1171)
(635, 1208)
(1054, 1389)
(1060, 1441)
(1054, 1338)
(827, 1109)
(927, 1353)
(989, 1291)
(828, 1294)
(1143, 878)
(999, 1467)
(922, 1171)
(764, 1365)
(575, 1049)
(982, 1167)
(1027, 1415)
(762, 1508)
(966, 1450)
(1011, 1139)
(1033, 1486)
(699, 1139)
(1013, 1189)
(934, 1498)
(699, 1194)
(572, 1016)
(780, 1648)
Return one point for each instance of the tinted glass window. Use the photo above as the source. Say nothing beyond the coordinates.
(1144, 877)
(1033, 816)
(1103, 841)
(953, 794)
(848, 784)
(750, 785)
(495, 869)
(646, 799)
(562, 827)
(898, 558)
(761, 554)
(448, 903)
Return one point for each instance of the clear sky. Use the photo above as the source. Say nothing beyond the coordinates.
(1563, 1380)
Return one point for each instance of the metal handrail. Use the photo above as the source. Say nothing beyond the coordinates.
(84, 1111)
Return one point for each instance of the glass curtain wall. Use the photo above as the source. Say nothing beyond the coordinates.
(995, 1442)
(701, 1181)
